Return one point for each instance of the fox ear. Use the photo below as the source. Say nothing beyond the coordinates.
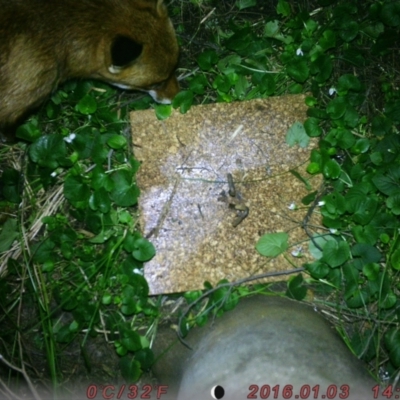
(124, 50)
(161, 9)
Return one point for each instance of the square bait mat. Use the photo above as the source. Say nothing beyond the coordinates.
(212, 182)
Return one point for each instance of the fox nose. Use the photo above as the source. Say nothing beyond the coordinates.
(165, 93)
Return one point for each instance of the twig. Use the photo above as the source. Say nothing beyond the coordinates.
(24, 374)
(230, 284)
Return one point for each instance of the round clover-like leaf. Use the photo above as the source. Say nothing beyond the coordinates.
(144, 250)
(273, 244)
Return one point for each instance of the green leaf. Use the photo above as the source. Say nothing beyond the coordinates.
(373, 29)
(106, 299)
(295, 289)
(130, 369)
(52, 110)
(354, 56)
(144, 250)
(336, 253)
(355, 195)
(298, 69)
(28, 131)
(183, 100)
(131, 306)
(317, 244)
(317, 269)
(197, 85)
(229, 63)
(11, 185)
(76, 191)
(361, 146)
(336, 108)
(390, 13)
(308, 199)
(272, 244)
(43, 251)
(8, 234)
(283, 8)
(131, 340)
(395, 259)
(222, 83)
(381, 125)
(311, 102)
(145, 357)
(219, 295)
(328, 40)
(388, 301)
(313, 168)
(340, 137)
(371, 271)
(117, 142)
(100, 200)
(384, 238)
(207, 59)
(348, 29)
(310, 26)
(392, 343)
(272, 30)
(242, 4)
(125, 192)
(355, 297)
(129, 242)
(376, 158)
(301, 179)
(48, 151)
(348, 82)
(241, 86)
(365, 234)
(335, 204)
(231, 301)
(322, 68)
(87, 105)
(388, 184)
(64, 335)
(163, 111)
(365, 344)
(364, 210)
(101, 180)
(297, 135)
(393, 202)
(367, 253)
(331, 169)
(192, 296)
(311, 126)
(267, 84)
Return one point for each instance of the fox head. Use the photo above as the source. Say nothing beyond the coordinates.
(144, 58)
(127, 43)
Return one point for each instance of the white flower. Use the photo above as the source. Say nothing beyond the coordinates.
(321, 203)
(53, 174)
(138, 271)
(292, 206)
(297, 252)
(70, 137)
(333, 230)
(299, 52)
(332, 91)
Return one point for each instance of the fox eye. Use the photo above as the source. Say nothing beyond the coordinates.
(124, 50)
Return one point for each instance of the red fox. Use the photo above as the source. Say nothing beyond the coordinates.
(127, 43)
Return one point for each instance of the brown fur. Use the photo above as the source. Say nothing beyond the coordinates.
(128, 43)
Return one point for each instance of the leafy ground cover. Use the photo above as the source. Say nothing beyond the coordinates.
(70, 241)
